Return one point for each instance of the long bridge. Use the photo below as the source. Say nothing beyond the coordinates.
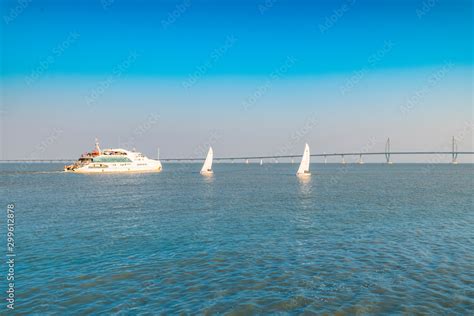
(387, 153)
(454, 153)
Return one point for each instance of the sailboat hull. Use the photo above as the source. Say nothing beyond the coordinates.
(304, 174)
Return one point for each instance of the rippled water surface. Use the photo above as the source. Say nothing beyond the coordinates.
(366, 239)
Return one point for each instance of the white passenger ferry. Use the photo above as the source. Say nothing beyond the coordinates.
(113, 160)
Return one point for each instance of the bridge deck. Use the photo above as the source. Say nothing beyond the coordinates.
(276, 156)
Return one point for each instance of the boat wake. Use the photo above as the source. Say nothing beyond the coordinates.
(31, 172)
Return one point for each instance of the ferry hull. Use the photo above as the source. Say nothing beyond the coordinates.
(116, 169)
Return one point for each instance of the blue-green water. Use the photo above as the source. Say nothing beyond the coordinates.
(366, 239)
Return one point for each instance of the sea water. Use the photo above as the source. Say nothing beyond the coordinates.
(366, 239)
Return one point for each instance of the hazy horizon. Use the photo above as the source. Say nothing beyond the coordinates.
(249, 78)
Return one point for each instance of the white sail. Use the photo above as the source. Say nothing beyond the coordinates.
(207, 166)
(304, 166)
(261, 162)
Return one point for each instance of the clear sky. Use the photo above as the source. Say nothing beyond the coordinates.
(250, 77)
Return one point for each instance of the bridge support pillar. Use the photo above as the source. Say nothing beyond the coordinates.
(454, 152)
(387, 152)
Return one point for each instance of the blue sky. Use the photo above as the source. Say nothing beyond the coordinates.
(240, 69)
(173, 47)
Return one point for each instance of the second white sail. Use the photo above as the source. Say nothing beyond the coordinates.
(303, 170)
(207, 166)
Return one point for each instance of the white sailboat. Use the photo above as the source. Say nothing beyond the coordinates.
(261, 162)
(303, 170)
(207, 166)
